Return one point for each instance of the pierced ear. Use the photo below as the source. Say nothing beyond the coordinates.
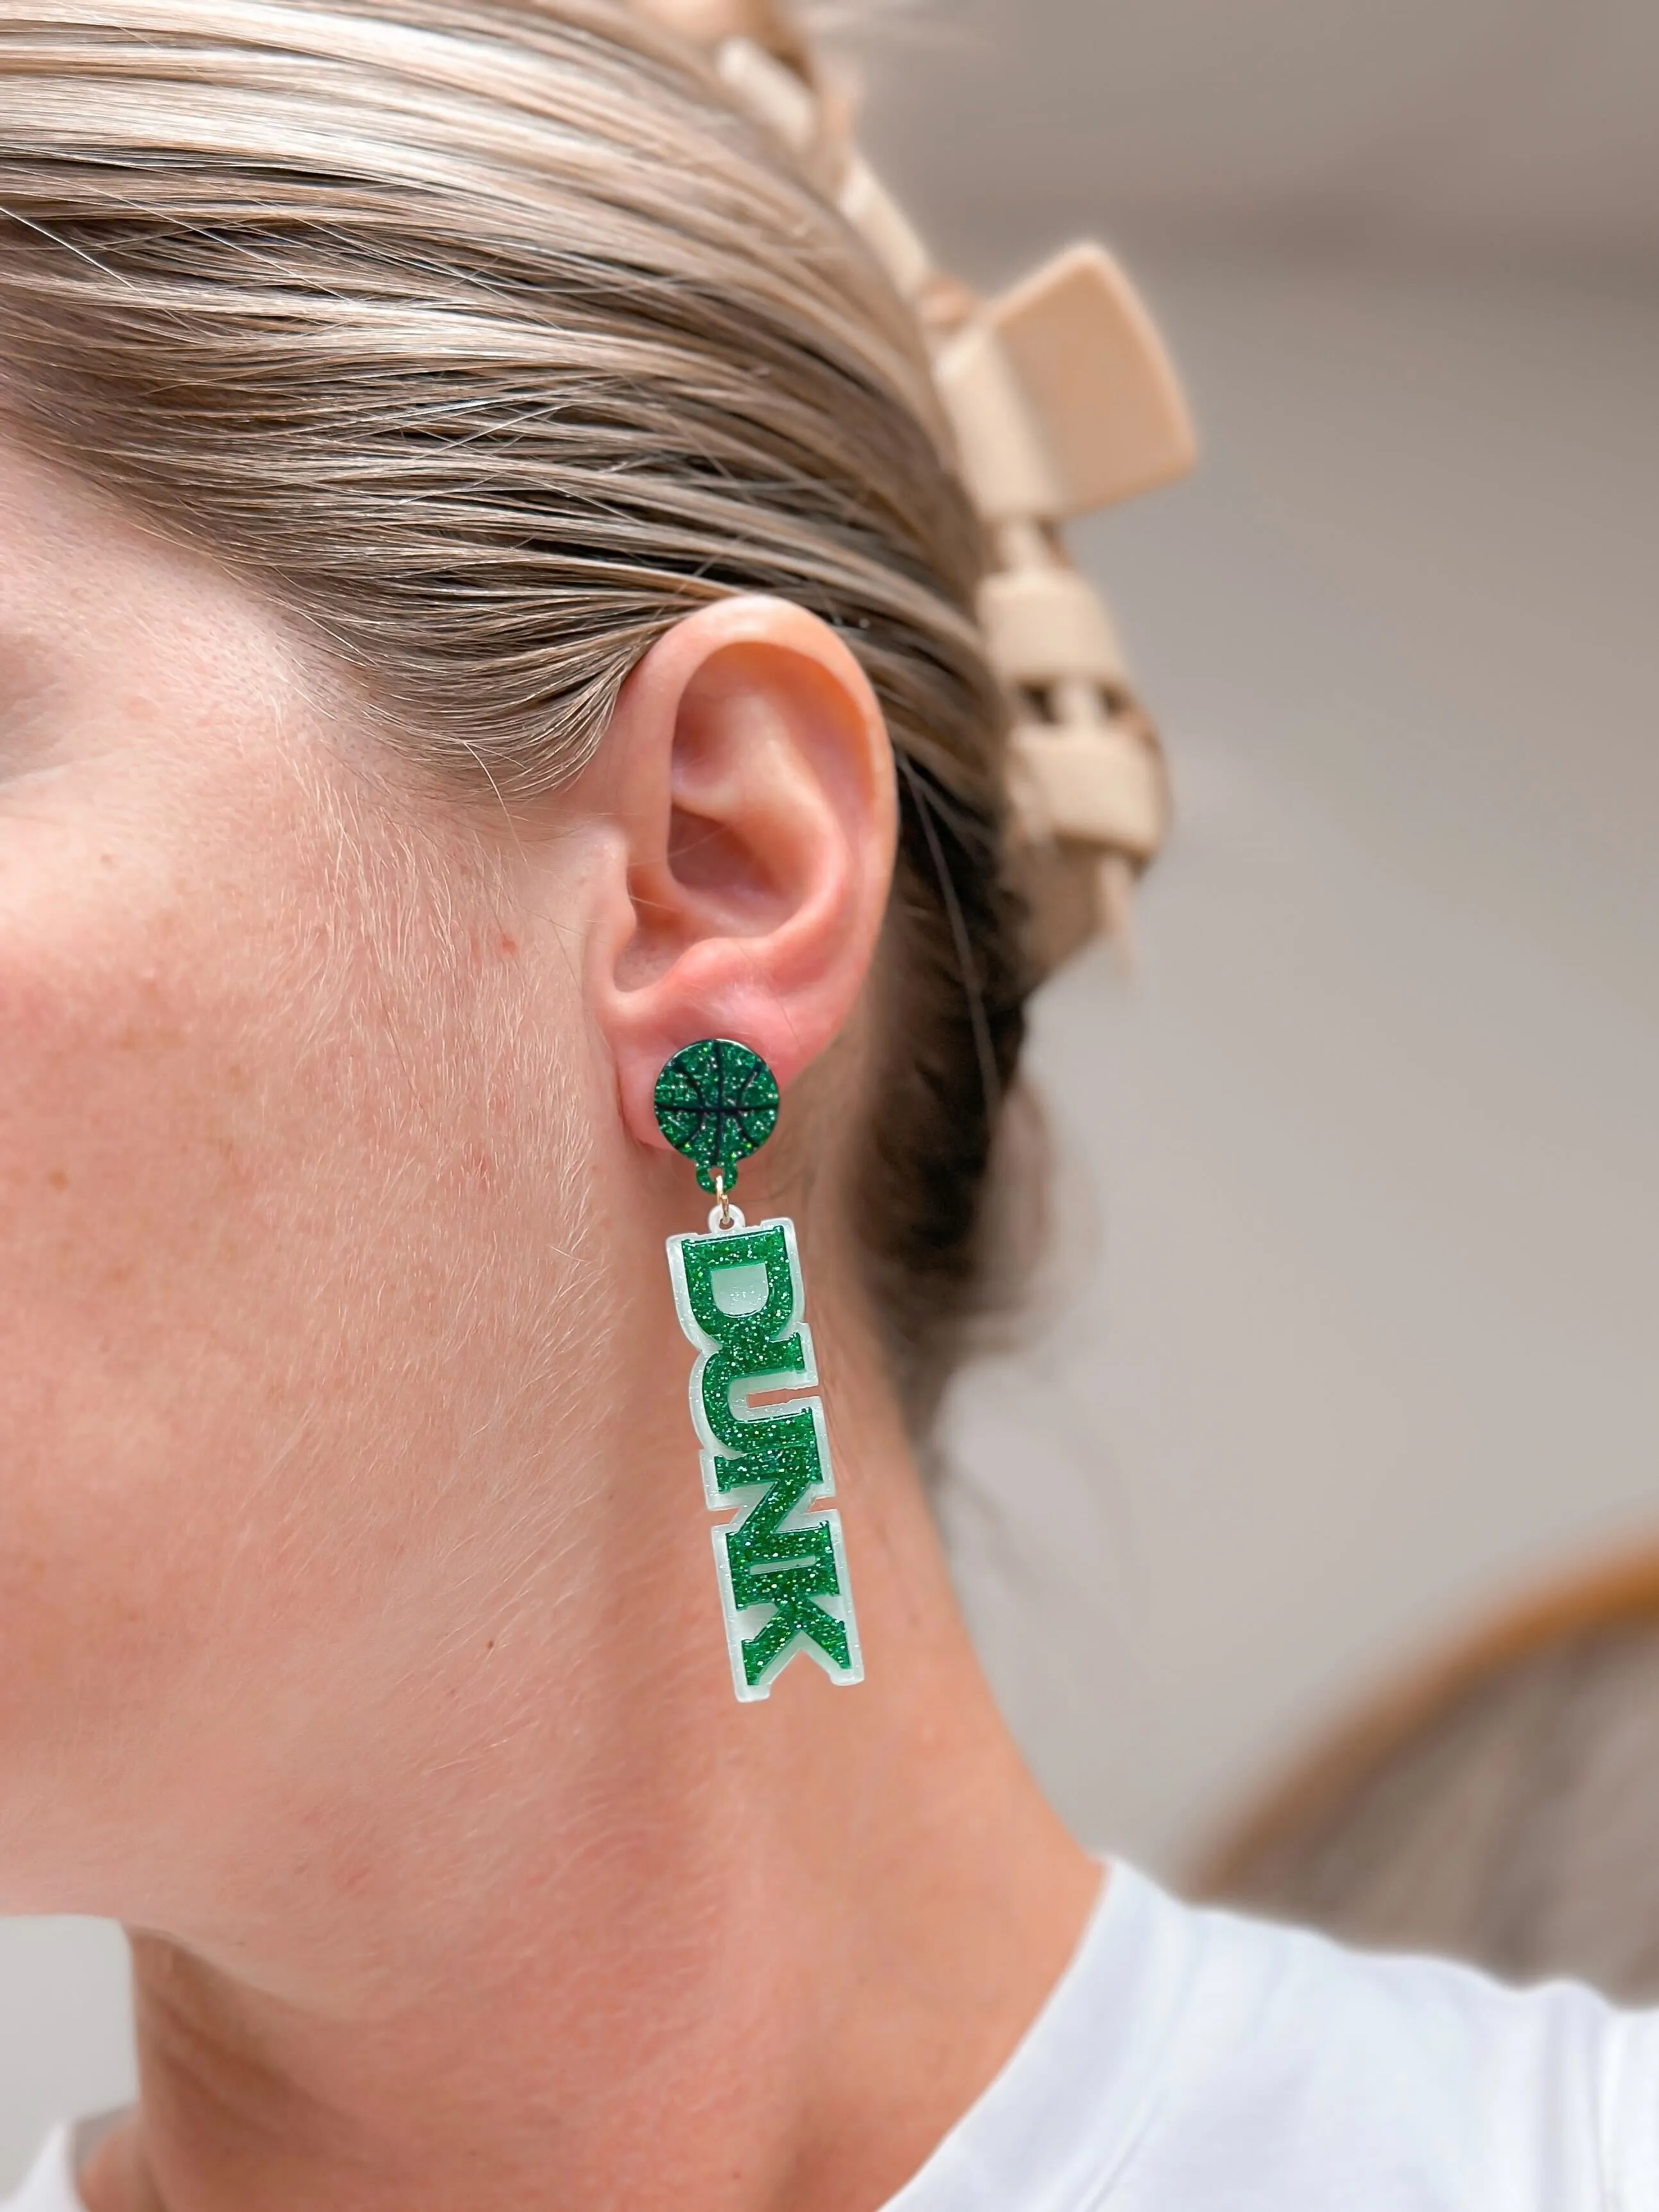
(748, 768)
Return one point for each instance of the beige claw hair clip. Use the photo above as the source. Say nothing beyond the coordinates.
(1064, 400)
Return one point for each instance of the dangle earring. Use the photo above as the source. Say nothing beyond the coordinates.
(781, 1561)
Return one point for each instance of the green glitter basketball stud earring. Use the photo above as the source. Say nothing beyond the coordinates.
(781, 1561)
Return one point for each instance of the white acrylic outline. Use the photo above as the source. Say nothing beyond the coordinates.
(807, 1511)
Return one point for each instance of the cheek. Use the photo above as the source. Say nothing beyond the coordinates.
(144, 1150)
(282, 1209)
(204, 1135)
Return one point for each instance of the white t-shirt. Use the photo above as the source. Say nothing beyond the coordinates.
(1197, 2062)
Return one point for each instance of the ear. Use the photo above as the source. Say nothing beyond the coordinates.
(749, 769)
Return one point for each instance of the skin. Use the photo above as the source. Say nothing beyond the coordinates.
(363, 1652)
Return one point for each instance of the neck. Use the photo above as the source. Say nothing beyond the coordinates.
(724, 1957)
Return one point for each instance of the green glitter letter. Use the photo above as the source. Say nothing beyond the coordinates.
(782, 1564)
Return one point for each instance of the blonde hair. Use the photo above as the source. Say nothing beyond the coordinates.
(490, 338)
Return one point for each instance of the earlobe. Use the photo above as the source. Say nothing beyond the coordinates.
(749, 769)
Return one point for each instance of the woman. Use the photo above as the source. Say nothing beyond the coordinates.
(484, 611)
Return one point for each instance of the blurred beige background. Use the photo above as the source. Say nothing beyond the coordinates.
(1352, 1326)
